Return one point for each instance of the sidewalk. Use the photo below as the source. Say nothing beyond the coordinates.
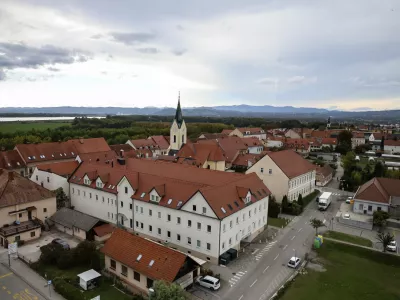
(38, 283)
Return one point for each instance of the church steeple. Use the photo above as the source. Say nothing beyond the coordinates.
(178, 113)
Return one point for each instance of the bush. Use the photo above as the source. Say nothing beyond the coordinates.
(66, 260)
(273, 208)
(67, 290)
(300, 200)
(84, 252)
(296, 208)
(50, 253)
(95, 262)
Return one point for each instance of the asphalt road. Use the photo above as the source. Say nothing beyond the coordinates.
(272, 271)
(12, 287)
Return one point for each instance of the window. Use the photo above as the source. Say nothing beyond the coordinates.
(249, 213)
(150, 228)
(244, 217)
(194, 207)
(73, 191)
(204, 210)
(178, 220)
(37, 178)
(113, 264)
(136, 276)
(223, 245)
(198, 226)
(230, 241)
(189, 241)
(137, 223)
(79, 192)
(102, 200)
(168, 218)
(126, 190)
(124, 270)
(33, 234)
(361, 207)
(44, 209)
(20, 215)
(198, 243)
(189, 223)
(122, 204)
(174, 138)
(130, 206)
(84, 194)
(270, 171)
(224, 227)
(237, 220)
(90, 195)
(169, 234)
(178, 237)
(369, 207)
(208, 246)
(48, 179)
(379, 208)
(131, 222)
(141, 225)
(141, 210)
(137, 208)
(159, 231)
(150, 212)
(230, 224)
(97, 197)
(159, 215)
(208, 228)
(255, 210)
(262, 170)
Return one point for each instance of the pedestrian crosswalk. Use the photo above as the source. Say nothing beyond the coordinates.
(236, 278)
(264, 250)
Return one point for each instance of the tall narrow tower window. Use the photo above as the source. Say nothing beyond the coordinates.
(174, 138)
(183, 138)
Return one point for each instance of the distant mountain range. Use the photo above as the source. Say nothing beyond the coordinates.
(216, 111)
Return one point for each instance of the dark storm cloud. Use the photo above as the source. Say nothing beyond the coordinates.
(24, 56)
(132, 38)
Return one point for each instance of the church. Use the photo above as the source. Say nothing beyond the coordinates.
(178, 132)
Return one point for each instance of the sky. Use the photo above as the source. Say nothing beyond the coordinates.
(328, 54)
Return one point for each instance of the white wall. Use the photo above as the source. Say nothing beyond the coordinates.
(272, 143)
(369, 206)
(303, 184)
(50, 181)
(255, 150)
(391, 149)
(178, 132)
(126, 209)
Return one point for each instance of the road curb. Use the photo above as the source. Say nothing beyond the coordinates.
(24, 280)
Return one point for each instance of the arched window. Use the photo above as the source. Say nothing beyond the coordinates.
(183, 138)
(174, 138)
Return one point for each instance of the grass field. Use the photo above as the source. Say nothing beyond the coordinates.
(351, 273)
(349, 238)
(277, 222)
(25, 126)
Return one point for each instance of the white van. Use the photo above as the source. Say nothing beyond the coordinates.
(209, 282)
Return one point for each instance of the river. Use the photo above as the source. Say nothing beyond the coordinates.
(14, 119)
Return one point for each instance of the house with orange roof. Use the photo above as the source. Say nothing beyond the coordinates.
(299, 145)
(203, 155)
(139, 262)
(323, 175)
(11, 160)
(201, 212)
(357, 139)
(247, 132)
(285, 173)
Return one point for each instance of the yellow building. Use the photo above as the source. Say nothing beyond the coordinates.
(24, 206)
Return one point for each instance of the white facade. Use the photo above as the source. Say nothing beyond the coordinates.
(255, 149)
(50, 181)
(303, 184)
(178, 136)
(274, 143)
(392, 149)
(357, 141)
(368, 207)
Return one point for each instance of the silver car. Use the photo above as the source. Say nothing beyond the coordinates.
(209, 282)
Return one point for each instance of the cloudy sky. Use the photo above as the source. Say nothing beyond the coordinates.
(335, 54)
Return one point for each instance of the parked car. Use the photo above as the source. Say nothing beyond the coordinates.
(348, 200)
(346, 216)
(392, 246)
(294, 262)
(209, 282)
(61, 242)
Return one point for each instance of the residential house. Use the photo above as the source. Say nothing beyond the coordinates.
(245, 161)
(320, 134)
(378, 194)
(138, 262)
(323, 175)
(98, 157)
(248, 132)
(145, 144)
(254, 145)
(299, 145)
(357, 139)
(288, 133)
(126, 151)
(103, 232)
(75, 223)
(212, 136)
(24, 206)
(392, 147)
(204, 155)
(54, 175)
(199, 211)
(226, 131)
(285, 173)
(275, 142)
(11, 160)
(376, 136)
(162, 143)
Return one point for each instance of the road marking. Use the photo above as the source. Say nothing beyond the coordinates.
(265, 269)
(285, 247)
(276, 257)
(292, 238)
(253, 283)
(5, 275)
(300, 229)
(240, 298)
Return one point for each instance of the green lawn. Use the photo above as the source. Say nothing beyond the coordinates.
(26, 126)
(351, 273)
(349, 238)
(277, 222)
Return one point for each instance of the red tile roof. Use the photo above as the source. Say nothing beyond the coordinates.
(11, 160)
(252, 130)
(392, 143)
(16, 189)
(103, 230)
(379, 190)
(144, 143)
(232, 147)
(325, 171)
(291, 163)
(243, 160)
(202, 152)
(126, 248)
(90, 145)
(297, 144)
(320, 133)
(211, 136)
(100, 157)
(329, 141)
(357, 134)
(252, 142)
(226, 131)
(180, 183)
(161, 141)
(60, 168)
(117, 148)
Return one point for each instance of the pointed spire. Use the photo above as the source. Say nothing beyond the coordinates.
(178, 113)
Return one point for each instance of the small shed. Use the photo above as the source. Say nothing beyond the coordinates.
(89, 279)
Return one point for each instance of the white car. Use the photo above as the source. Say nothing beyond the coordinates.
(348, 200)
(346, 216)
(392, 246)
(294, 262)
(209, 282)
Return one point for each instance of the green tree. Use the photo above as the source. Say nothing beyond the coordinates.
(61, 198)
(300, 200)
(285, 204)
(296, 208)
(273, 207)
(344, 142)
(380, 218)
(349, 162)
(167, 291)
(379, 170)
(316, 223)
(385, 239)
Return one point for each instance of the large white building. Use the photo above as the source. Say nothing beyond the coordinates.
(201, 212)
(286, 173)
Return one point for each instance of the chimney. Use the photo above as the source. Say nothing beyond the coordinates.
(10, 176)
(121, 152)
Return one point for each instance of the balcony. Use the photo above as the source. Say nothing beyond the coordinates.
(13, 229)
